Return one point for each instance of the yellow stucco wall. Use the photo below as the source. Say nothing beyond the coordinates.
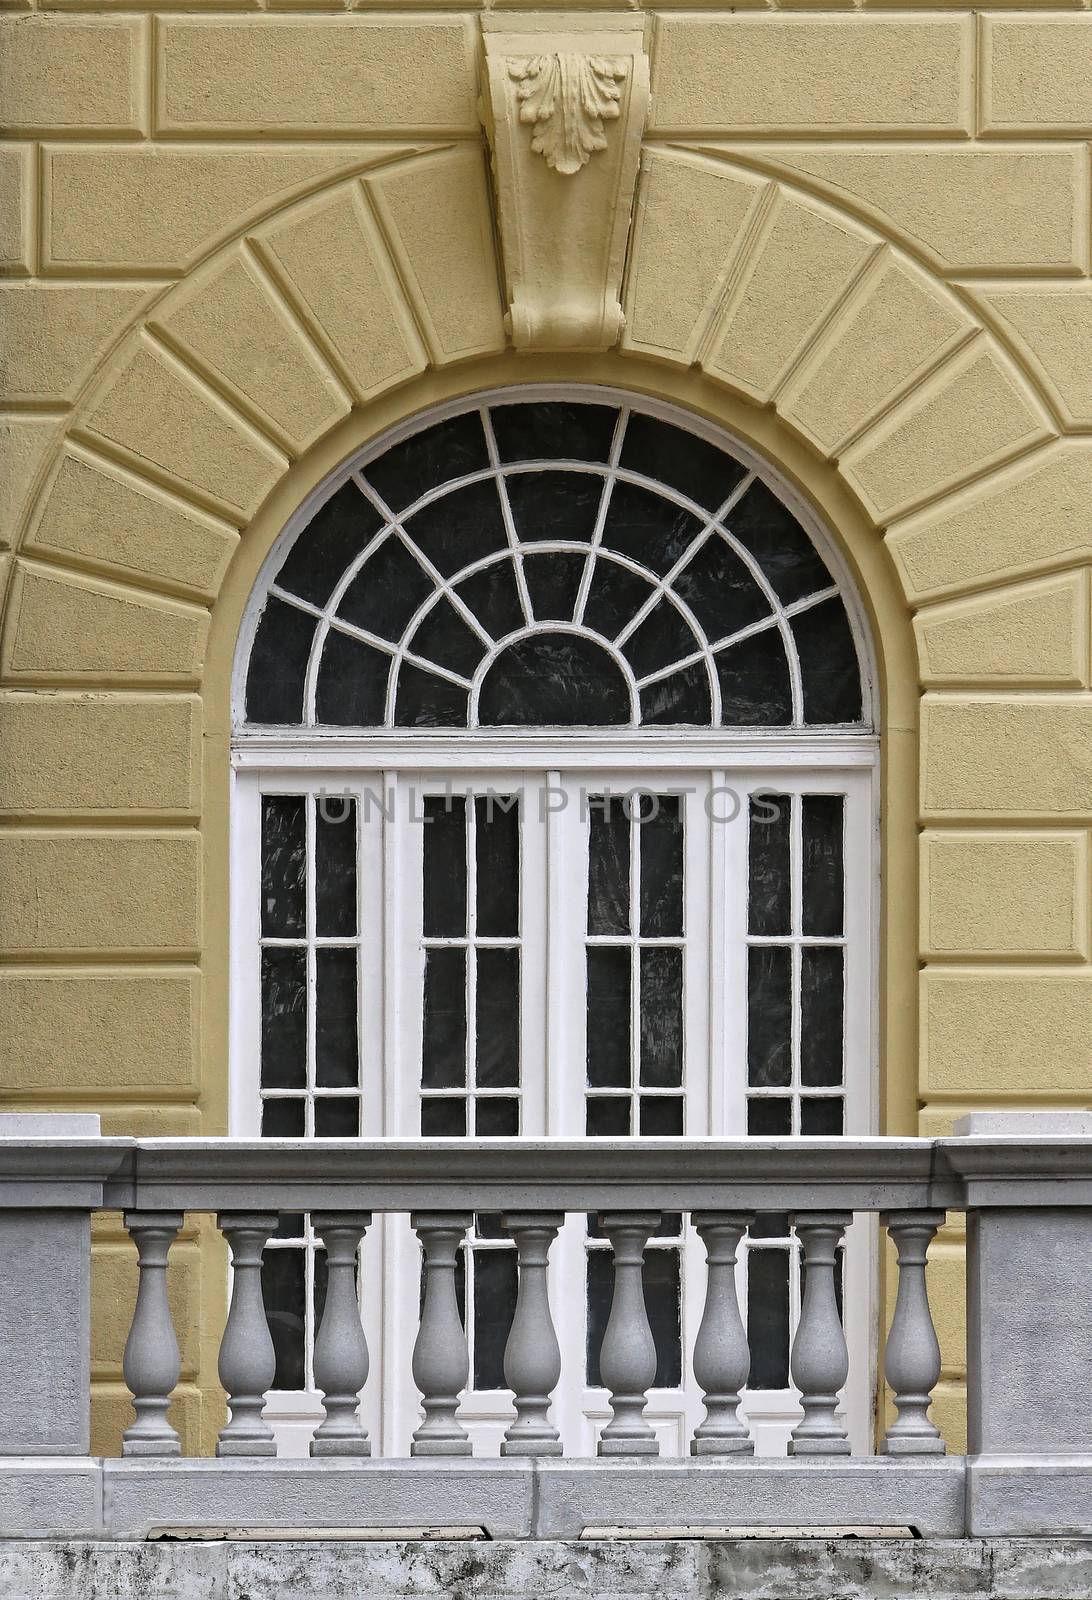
(239, 242)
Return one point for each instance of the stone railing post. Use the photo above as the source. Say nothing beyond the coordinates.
(819, 1360)
(152, 1363)
(441, 1361)
(248, 1361)
(627, 1360)
(341, 1350)
(532, 1356)
(912, 1357)
(722, 1356)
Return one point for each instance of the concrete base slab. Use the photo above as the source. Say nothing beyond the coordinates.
(1030, 1494)
(789, 1569)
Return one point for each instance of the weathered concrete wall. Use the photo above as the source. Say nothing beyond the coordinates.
(235, 244)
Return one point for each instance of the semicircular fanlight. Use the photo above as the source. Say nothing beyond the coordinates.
(554, 563)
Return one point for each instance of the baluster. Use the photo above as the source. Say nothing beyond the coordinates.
(722, 1355)
(248, 1362)
(441, 1362)
(627, 1361)
(341, 1350)
(532, 1356)
(151, 1363)
(820, 1359)
(912, 1357)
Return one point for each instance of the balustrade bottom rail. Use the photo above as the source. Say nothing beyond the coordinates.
(1028, 1200)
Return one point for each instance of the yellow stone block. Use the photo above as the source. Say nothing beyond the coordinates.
(1053, 325)
(781, 74)
(895, 328)
(24, 444)
(156, 410)
(1005, 1032)
(969, 416)
(331, 255)
(803, 261)
(99, 891)
(1017, 893)
(62, 626)
(147, 1122)
(1027, 518)
(112, 1412)
(949, 1412)
(1035, 74)
(947, 1279)
(939, 199)
(16, 180)
(344, 75)
(246, 338)
(99, 752)
(114, 1275)
(161, 206)
(56, 334)
(1035, 633)
(101, 515)
(111, 1032)
(1007, 758)
(691, 216)
(60, 74)
(437, 210)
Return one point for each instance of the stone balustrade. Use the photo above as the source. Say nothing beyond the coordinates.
(1027, 1195)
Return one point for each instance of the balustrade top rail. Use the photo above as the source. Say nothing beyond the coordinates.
(876, 1174)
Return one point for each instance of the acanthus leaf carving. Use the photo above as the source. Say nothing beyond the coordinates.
(566, 97)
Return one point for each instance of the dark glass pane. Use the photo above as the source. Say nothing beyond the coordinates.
(386, 592)
(647, 527)
(661, 1281)
(769, 1118)
(663, 638)
(284, 1294)
(445, 638)
(494, 599)
(754, 682)
(284, 1019)
(284, 866)
(682, 698)
(823, 841)
(497, 851)
(319, 1283)
(553, 584)
(283, 1119)
(768, 1318)
(336, 1065)
(720, 590)
(553, 430)
(443, 1119)
(689, 464)
(444, 867)
(822, 986)
(779, 544)
(770, 1225)
(615, 594)
(494, 1303)
(769, 884)
(487, 1225)
(443, 1062)
(555, 505)
(600, 1288)
(661, 835)
(829, 670)
(337, 1118)
(608, 1016)
(446, 450)
(278, 663)
(333, 538)
(497, 1021)
(670, 1225)
(769, 1016)
(608, 864)
(661, 1116)
(460, 527)
(608, 1117)
(351, 689)
(335, 865)
(822, 1116)
(661, 1018)
(496, 1118)
(553, 680)
(290, 1225)
(426, 701)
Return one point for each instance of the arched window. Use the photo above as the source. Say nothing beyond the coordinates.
(554, 816)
